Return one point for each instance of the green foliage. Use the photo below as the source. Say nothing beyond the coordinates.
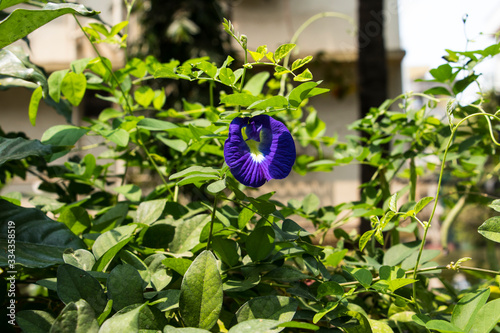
(191, 249)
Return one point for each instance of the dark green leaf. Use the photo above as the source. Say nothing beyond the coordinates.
(19, 148)
(330, 288)
(200, 300)
(180, 265)
(400, 252)
(260, 243)
(21, 22)
(124, 286)
(256, 325)
(74, 284)
(135, 318)
(442, 73)
(150, 211)
(286, 274)
(40, 241)
(107, 245)
(75, 218)
(34, 321)
(278, 308)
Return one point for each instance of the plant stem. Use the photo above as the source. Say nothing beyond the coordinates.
(214, 209)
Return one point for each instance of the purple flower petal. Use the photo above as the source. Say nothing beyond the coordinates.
(259, 149)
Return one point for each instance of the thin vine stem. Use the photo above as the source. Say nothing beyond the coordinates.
(212, 221)
(438, 190)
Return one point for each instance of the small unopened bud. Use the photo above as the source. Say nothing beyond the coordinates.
(243, 40)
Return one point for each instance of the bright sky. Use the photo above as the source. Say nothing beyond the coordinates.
(430, 26)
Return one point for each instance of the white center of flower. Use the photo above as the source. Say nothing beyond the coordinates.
(257, 157)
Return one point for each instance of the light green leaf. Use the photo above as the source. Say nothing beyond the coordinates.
(393, 203)
(310, 203)
(180, 265)
(227, 76)
(256, 325)
(272, 102)
(495, 205)
(487, 317)
(76, 317)
(303, 91)
(379, 327)
(33, 106)
(200, 300)
(21, 22)
(280, 308)
(422, 203)
(400, 252)
(155, 124)
(107, 245)
(306, 75)
(193, 170)
(135, 318)
(465, 312)
(63, 135)
(241, 99)
(301, 62)
(150, 211)
(282, 51)
(73, 87)
(144, 96)
(217, 186)
(75, 218)
(442, 326)
(15, 65)
(187, 233)
(80, 258)
(131, 191)
(256, 83)
(491, 229)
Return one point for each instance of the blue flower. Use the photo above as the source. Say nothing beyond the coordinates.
(259, 149)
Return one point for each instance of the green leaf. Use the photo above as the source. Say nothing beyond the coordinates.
(400, 252)
(75, 218)
(465, 312)
(19, 148)
(155, 124)
(63, 135)
(9, 3)
(282, 51)
(256, 325)
(33, 106)
(260, 243)
(226, 250)
(286, 274)
(227, 76)
(487, 317)
(76, 317)
(177, 144)
(171, 329)
(442, 326)
(107, 245)
(208, 68)
(200, 300)
(310, 204)
(135, 318)
(272, 102)
(150, 211)
(306, 75)
(74, 284)
(79, 65)
(461, 85)
(393, 203)
(34, 321)
(330, 306)
(379, 327)
(15, 66)
(193, 170)
(180, 265)
(302, 325)
(491, 229)
(438, 91)
(187, 233)
(80, 258)
(241, 99)
(330, 288)
(422, 203)
(124, 286)
(217, 186)
(144, 96)
(280, 308)
(73, 87)
(130, 191)
(363, 276)
(363, 323)
(256, 83)
(117, 135)
(301, 62)
(442, 73)
(495, 204)
(21, 22)
(40, 241)
(365, 238)
(300, 93)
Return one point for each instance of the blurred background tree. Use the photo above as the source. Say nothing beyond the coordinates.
(182, 30)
